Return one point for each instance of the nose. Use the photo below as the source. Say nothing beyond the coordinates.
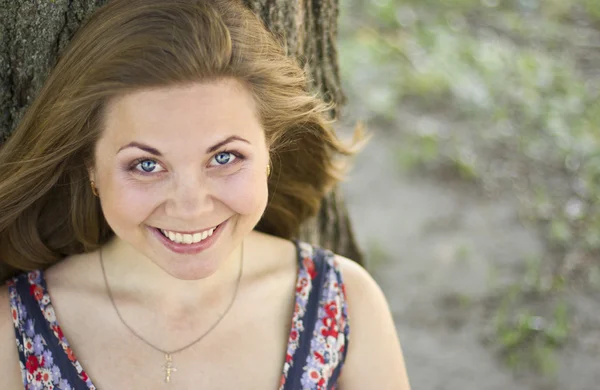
(190, 198)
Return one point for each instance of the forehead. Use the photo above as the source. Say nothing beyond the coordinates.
(192, 110)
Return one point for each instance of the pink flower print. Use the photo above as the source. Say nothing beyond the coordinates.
(309, 265)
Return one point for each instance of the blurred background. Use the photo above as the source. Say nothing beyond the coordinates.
(477, 199)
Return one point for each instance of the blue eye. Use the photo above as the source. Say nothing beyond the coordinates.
(224, 158)
(147, 166)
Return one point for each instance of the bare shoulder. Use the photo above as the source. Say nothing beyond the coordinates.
(276, 254)
(10, 374)
(272, 243)
(374, 357)
(73, 273)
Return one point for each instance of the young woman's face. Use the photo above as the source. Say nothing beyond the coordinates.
(181, 173)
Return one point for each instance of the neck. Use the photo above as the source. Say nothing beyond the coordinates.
(134, 277)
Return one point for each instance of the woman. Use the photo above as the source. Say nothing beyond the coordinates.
(147, 201)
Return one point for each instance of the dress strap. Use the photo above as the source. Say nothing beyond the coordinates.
(45, 358)
(320, 327)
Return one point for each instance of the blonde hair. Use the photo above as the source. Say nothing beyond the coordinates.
(48, 208)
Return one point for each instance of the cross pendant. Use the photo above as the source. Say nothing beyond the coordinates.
(168, 367)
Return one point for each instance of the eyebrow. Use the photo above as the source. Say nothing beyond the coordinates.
(155, 152)
(145, 148)
(225, 142)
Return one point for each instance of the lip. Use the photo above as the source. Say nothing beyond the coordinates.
(188, 249)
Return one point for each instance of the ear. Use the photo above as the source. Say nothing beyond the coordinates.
(91, 172)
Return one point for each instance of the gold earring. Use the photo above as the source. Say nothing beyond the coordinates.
(268, 170)
(94, 189)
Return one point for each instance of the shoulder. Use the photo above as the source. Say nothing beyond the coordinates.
(374, 358)
(10, 376)
(74, 274)
(271, 246)
(364, 297)
(273, 256)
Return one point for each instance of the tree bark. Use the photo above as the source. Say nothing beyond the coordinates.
(33, 33)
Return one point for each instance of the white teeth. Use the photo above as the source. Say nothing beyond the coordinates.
(187, 238)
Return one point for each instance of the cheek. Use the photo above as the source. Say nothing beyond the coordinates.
(126, 203)
(244, 194)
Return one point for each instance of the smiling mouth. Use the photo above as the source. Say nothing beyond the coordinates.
(188, 238)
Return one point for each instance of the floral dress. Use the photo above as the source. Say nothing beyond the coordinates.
(316, 349)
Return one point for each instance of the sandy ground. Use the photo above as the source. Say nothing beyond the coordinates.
(443, 241)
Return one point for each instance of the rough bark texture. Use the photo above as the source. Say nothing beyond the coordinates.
(33, 33)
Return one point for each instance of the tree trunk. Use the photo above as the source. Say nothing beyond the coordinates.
(33, 33)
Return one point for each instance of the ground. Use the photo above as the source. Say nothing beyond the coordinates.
(477, 201)
(441, 249)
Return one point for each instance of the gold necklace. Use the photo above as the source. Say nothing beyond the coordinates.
(168, 366)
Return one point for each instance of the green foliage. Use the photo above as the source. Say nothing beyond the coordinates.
(528, 341)
(528, 332)
(508, 85)
(376, 254)
(463, 253)
(499, 91)
(592, 8)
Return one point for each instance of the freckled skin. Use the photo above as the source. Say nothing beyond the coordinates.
(187, 188)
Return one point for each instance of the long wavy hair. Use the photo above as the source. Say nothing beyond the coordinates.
(47, 208)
